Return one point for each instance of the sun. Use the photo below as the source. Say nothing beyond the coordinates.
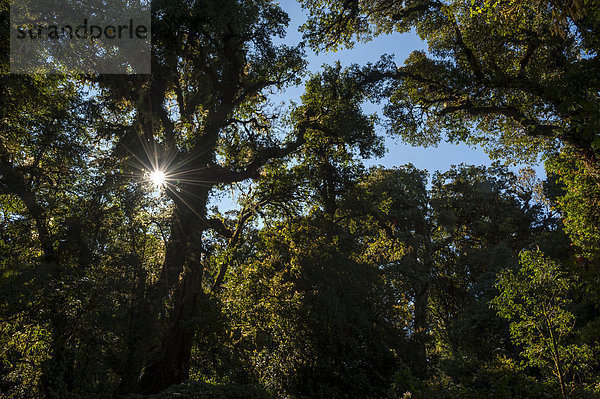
(158, 178)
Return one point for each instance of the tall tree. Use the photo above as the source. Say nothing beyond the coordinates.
(201, 119)
(536, 300)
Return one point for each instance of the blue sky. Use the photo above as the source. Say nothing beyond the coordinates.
(401, 45)
(431, 159)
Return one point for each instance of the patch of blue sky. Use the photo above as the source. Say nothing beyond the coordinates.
(438, 158)
(398, 153)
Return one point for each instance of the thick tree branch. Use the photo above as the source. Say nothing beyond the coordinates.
(218, 174)
(234, 240)
(14, 182)
(535, 128)
(407, 11)
(471, 59)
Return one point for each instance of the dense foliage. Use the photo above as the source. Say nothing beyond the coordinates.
(327, 279)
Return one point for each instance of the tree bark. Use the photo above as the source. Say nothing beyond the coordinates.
(172, 361)
(181, 283)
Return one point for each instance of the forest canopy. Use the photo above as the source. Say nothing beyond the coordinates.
(122, 273)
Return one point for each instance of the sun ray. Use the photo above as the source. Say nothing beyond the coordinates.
(185, 202)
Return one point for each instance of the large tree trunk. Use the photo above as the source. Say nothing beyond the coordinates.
(181, 285)
(172, 360)
(167, 345)
(160, 340)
